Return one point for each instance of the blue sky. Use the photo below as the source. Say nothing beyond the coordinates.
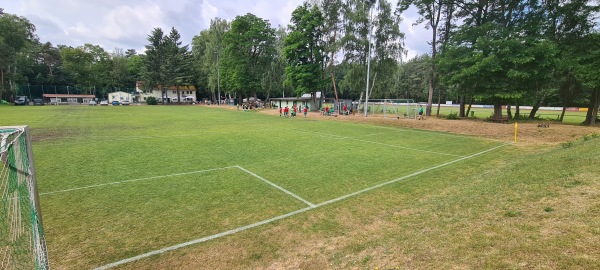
(126, 24)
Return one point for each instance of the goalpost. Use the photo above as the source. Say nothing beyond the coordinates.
(392, 108)
(22, 241)
(400, 108)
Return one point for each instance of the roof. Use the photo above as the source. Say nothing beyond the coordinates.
(67, 96)
(185, 87)
(292, 98)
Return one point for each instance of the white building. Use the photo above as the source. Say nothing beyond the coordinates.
(119, 96)
(187, 93)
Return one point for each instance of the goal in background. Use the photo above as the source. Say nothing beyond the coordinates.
(391, 108)
(399, 108)
(22, 242)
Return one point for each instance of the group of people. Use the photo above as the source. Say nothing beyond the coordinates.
(295, 110)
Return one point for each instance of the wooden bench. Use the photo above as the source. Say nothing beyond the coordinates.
(498, 120)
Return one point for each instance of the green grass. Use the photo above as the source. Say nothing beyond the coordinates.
(477, 213)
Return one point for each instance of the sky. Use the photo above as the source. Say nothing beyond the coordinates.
(126, 24)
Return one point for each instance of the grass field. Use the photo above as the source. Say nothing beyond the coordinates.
(118, 182)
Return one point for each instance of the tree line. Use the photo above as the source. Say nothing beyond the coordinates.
(496, 52)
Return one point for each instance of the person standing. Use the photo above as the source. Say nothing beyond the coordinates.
(305, 110)
(421, 113)
(280, 110)
(285, 111)
(345, 109)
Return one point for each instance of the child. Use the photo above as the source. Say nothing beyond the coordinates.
(305, 111)
(280, 110)
(285, 111)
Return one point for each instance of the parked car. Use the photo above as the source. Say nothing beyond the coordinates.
(115, 103)
(92, 103)
(125, 102)
(103, 103)
(38, 102)
(21, 100)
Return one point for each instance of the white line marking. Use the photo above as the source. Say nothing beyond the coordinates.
(277, 187)
(267, 221)
(374, 134)
(333, 136)
(134, 180)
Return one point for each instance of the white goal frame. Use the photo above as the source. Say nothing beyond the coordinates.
(24, 245)
(391, 108)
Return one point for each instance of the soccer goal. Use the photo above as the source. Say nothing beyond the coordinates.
(399, 108)
(22, 242)
(391, 108)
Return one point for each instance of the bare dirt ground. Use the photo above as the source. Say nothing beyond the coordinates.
(529, 134)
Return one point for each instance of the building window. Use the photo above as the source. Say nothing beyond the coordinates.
(174, 92)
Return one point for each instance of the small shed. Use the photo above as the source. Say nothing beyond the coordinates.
(67, 99)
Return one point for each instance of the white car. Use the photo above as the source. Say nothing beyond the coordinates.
(92, 103)
(125, 102)
(104, 103)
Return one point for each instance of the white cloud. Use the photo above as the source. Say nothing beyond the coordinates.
(126, 24)
(208, 12)
(131, 22)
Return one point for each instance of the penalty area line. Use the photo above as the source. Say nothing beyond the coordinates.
(277, 187)
(267, 221)
(135, 180)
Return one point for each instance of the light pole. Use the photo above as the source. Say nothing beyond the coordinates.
(368, 63)
(218, 82)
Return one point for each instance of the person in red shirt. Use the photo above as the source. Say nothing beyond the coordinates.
(305, 111)
(345, 109)
(280, 110)
(285, 111)
(326, 110)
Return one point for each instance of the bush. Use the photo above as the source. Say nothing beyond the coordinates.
(151, 101)
(452, 116)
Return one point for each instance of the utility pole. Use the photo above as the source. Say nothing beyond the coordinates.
(368, 63)
(218, 82)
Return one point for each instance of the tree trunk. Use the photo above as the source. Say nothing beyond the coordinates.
(497, 109)
(331, 66)
(1, 83)
(534, 110)
(592, 113)
(430, 96)
(178, 94)
(437, 114)
(508, 112)
(562, 114)
(461, 101)
(469, 108)
(517, 109)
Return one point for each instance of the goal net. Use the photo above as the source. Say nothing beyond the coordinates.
(391, 108)
(400, 108)
(22, 242)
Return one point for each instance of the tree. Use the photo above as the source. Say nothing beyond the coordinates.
(199, 43)
(332, 18)
(16, 34)
(155, 62)
(431, 12)
(214, 47)
(177, 68)
(304, 51)
(248, 51)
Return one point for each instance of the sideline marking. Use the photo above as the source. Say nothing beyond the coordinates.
(267, 221)
(135, 180)
(277, 187)
(333, 136)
